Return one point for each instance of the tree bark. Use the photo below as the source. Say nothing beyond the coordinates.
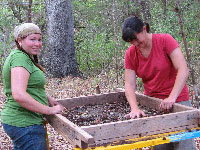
(60, 60)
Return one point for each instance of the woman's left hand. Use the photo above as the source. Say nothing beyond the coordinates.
(167, 104)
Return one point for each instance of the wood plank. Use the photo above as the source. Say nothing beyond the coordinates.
(93, 99)
(152, 102)
(133, 128)
(74, 134)
(144, 100)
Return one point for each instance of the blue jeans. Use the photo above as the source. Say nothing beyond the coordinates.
(27, 138)
(182, 145)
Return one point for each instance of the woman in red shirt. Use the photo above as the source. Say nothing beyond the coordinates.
(156, 59)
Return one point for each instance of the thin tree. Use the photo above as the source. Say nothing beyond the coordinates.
(114, 20)
(178, 13)
(29, 11)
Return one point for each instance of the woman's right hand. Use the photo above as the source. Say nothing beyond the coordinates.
(137, 113)
(57, 109)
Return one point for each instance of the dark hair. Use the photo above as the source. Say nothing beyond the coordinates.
(34, 59)
(132, 25)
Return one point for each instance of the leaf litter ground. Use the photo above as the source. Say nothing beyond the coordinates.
(104, 113)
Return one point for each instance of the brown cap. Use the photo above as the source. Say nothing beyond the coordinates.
(26, 29)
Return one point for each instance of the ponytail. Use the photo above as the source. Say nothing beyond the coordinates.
(35, 61)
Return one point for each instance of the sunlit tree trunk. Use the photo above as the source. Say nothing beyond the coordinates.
(60, 58)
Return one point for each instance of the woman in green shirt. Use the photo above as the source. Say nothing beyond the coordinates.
(24, 80)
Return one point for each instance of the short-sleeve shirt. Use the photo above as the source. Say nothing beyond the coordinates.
(13, 113)
(157, 70)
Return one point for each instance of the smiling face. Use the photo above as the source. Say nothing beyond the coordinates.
(31, 44)
(141, 39)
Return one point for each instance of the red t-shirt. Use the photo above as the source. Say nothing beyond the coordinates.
(157, 71)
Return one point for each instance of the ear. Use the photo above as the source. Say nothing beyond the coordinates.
(19, 40)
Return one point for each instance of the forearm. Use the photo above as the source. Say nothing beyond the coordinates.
(26, 101)
(179, 84)
(131, 97)
(180, 65)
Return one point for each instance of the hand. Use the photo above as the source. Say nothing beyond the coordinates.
(57, 109)
(136, 114)
(52, 101)
(167, 104)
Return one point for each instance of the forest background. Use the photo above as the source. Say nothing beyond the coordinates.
(96, 40)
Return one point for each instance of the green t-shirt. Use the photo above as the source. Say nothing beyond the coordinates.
(13, 113)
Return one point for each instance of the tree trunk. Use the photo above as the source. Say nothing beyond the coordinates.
(114, 20)
(29, 11)
(16, 9)
(145, 8)
(181, 24)
(60, 59)
(164, 3)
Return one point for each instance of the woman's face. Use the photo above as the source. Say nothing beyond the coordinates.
(31, 44)
(140, 41)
